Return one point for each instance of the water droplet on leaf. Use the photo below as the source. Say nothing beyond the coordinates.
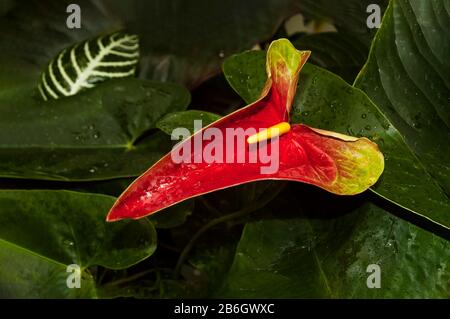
(68, 242)
(350, 130)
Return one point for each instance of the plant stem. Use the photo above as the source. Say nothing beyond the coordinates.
(240, 213)
(209, 206)
(129, 279)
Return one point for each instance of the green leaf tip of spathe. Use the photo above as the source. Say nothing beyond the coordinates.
(85, 64)
(283, 49)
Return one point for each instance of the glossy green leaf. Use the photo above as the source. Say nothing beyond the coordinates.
(93, 135)
(326, 101)
(327, 250)
(408, 76)
(26, 275)
(185, 119)
(41, 232)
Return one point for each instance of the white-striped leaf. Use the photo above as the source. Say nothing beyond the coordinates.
(85, 64)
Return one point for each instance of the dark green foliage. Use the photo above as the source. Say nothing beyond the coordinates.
(62, 161)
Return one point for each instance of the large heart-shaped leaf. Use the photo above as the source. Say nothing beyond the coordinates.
(408, 77)
(41, 232)
(93, 135)
(330, 250)
(326, 101)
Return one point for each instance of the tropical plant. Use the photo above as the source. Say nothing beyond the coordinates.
(83, 112)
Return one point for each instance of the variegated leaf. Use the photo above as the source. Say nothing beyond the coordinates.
(85, 64)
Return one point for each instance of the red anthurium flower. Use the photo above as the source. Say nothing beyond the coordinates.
(256, 143)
